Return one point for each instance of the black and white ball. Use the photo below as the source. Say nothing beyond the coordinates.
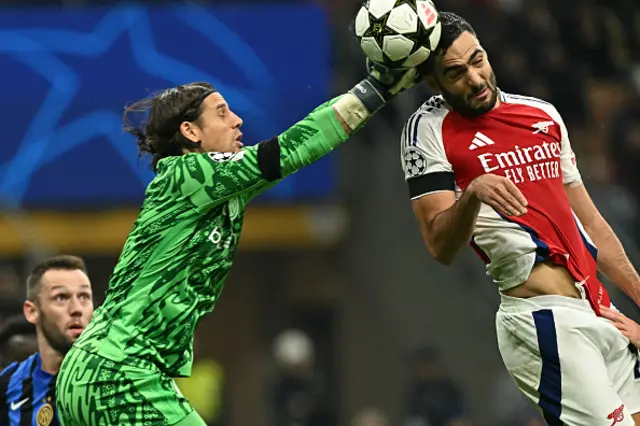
(398, 33)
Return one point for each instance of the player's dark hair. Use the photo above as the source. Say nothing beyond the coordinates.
(63, 262)
(452, 27)
(159, 135)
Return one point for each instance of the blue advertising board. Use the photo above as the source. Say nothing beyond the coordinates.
(68, 73)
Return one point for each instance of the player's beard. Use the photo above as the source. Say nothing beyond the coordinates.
(463, 104)
(56, 339)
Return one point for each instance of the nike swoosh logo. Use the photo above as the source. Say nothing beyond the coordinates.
(16, 405)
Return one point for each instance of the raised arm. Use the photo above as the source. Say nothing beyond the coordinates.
(211, 178)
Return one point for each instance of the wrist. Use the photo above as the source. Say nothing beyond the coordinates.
(351, 110)
(370, 94)
(472, 189)
(472, 192)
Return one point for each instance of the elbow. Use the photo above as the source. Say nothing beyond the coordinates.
(441, 256)
(444, 259)
(434, 244)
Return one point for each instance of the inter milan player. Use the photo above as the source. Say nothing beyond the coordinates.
(59, 304)
(497, 170)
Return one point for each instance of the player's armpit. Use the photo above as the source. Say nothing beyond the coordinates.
(612, 259)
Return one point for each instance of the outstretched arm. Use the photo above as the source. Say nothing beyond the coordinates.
(211, 178)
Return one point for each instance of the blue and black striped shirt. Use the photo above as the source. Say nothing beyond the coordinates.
(27, 394)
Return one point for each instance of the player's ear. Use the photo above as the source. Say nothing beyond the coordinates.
(30, 311)
(190, 131)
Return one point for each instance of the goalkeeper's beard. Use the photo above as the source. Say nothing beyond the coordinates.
(57, 340)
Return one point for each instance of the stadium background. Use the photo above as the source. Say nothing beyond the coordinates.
(334, 250)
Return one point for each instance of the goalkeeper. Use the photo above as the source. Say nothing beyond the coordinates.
(176, 258)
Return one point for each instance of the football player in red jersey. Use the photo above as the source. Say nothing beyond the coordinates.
(497, 170)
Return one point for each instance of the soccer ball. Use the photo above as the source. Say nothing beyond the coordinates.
(398, 33)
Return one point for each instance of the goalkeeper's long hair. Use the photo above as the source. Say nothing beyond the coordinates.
(158, 132)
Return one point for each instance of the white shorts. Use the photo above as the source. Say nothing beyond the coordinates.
(577, 367)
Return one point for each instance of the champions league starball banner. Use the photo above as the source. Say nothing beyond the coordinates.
(67, 75)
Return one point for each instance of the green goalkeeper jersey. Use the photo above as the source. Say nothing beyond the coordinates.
(176, 259)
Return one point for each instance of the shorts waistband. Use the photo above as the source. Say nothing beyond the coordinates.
(516, 304)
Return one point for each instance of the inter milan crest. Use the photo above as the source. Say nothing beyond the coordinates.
(45, 415)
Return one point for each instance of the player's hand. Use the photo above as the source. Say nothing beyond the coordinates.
(382, 83)
(391, 81)
(628, 327)
(500, 193)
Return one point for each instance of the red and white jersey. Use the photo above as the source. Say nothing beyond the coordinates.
(525, 140)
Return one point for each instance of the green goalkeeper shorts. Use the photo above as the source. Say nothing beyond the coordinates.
(95, 391)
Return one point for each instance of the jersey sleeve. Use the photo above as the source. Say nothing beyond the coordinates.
(5, 377)
(214, 177)
(8, 370)
(424, 161)
(570, 172)
(211, 178)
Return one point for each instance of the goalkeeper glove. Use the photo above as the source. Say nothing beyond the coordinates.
(373, 92)
(382, 84)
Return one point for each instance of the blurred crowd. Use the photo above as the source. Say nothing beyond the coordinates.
(581, 55)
